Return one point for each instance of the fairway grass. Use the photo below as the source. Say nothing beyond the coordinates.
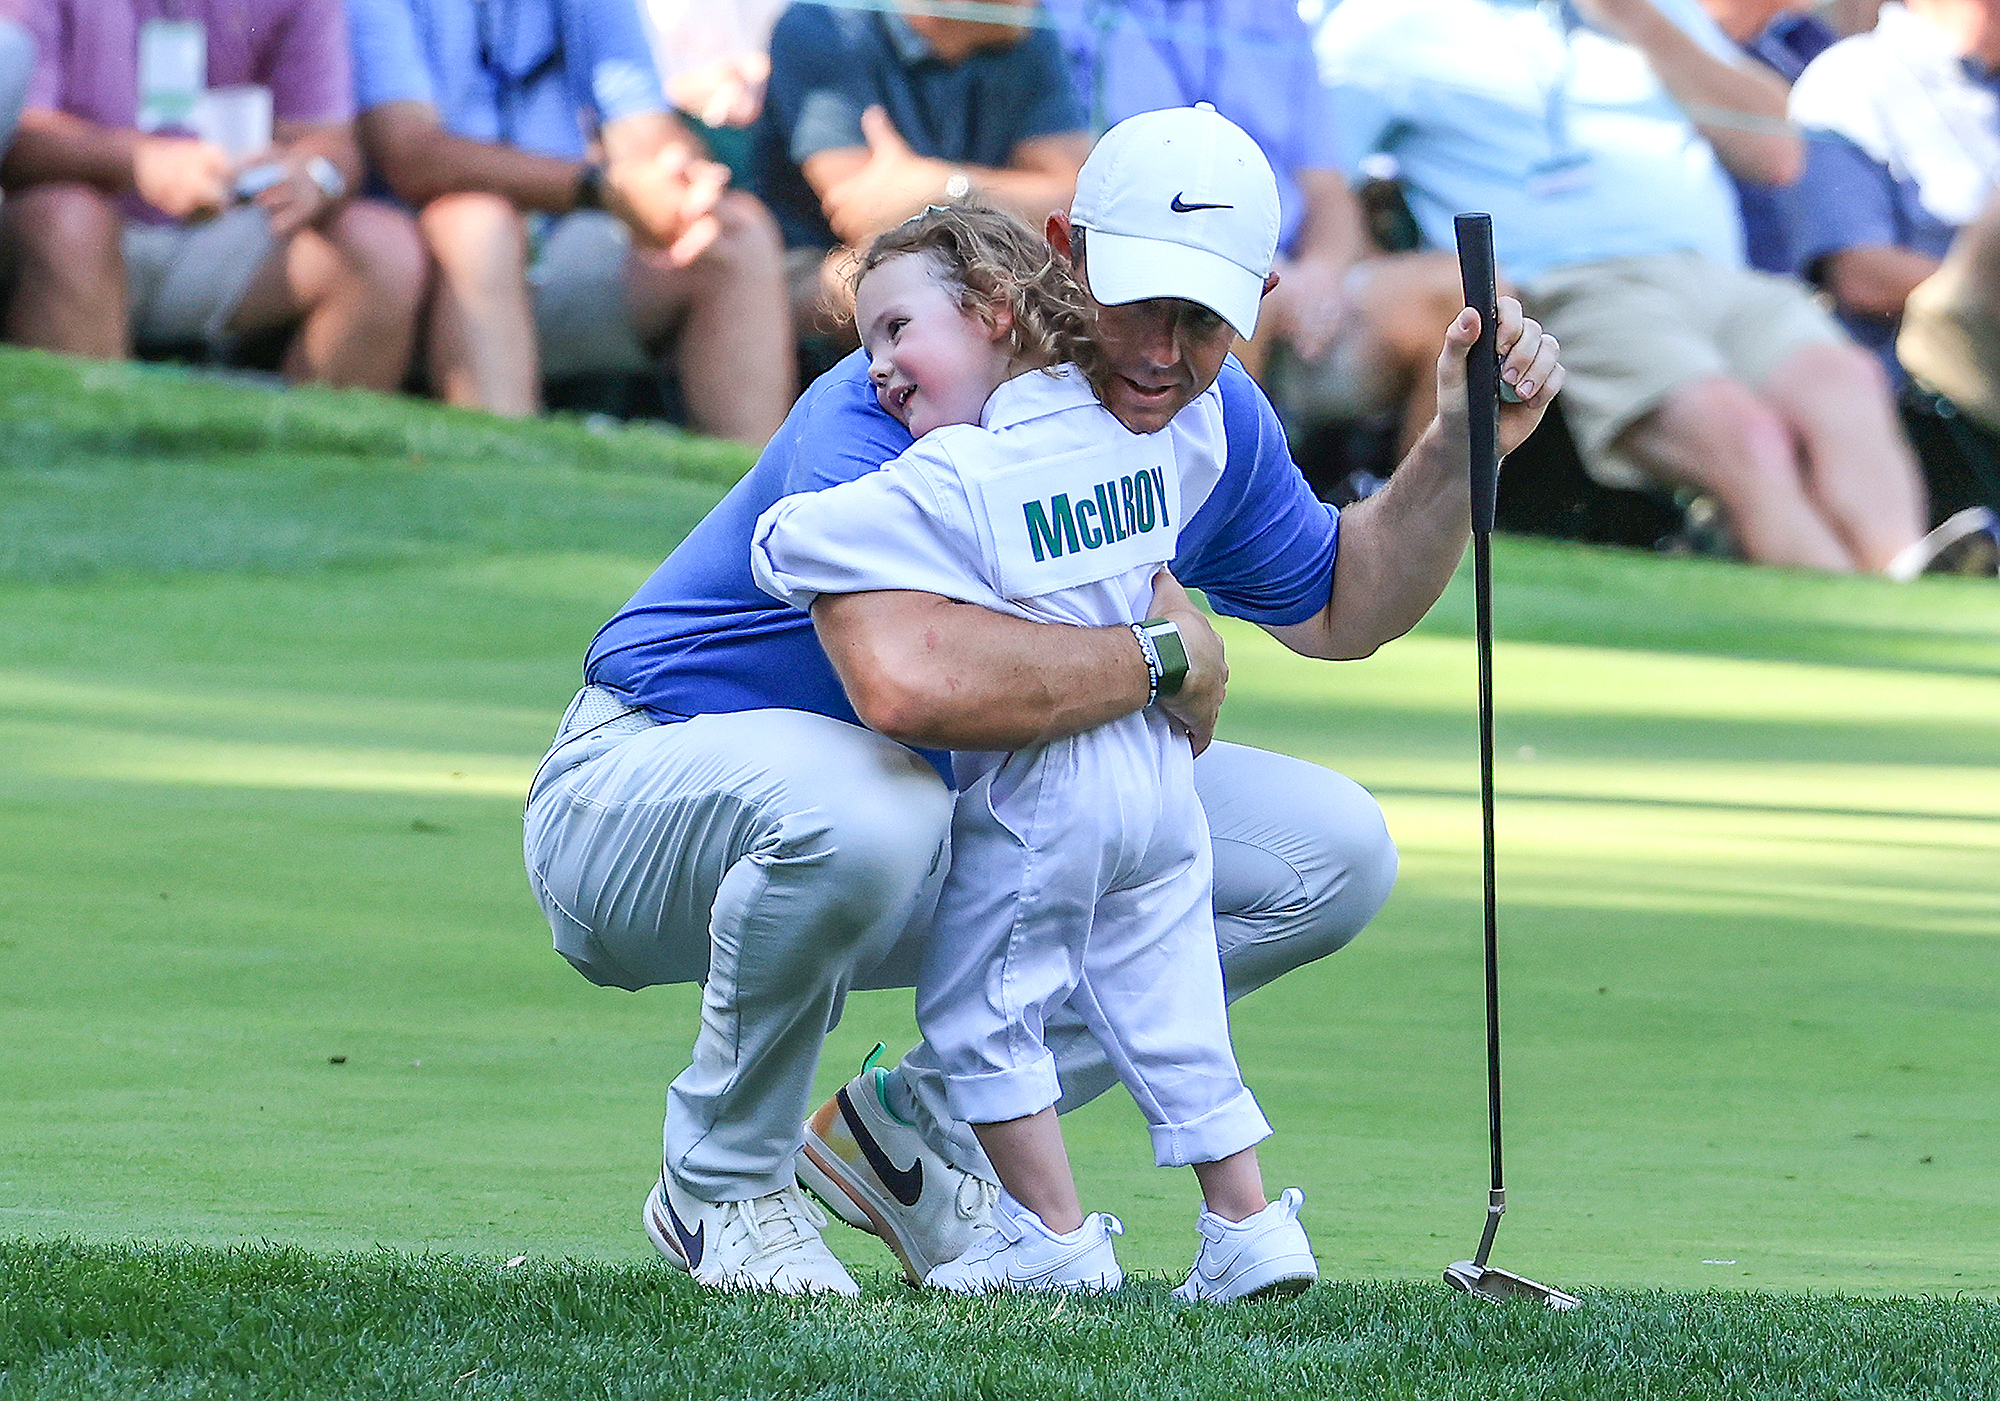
(275, 670)
(270, 1322)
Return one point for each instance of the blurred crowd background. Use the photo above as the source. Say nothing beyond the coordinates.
(1763, 231)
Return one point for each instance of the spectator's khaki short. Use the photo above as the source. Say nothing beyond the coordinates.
(186, 280)
(583, 311)
(1634, 329)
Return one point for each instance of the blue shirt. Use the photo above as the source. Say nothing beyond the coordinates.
(1251, 58)
(1773, 215)
(828, 66)
(1565, 135)
(532, 74)
(700, 637)
(1861, 204)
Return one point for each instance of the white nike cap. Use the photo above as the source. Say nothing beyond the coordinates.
(1179, 203)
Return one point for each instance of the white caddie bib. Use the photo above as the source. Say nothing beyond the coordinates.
(1075, 518)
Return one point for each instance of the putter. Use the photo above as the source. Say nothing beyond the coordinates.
(1482, 394)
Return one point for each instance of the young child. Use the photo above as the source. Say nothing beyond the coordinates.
(1081, 867)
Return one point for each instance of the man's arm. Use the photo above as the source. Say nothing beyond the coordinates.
(864, 190)
(421, 160)
(1875, 279)
(1305, 308)
(928, 671)
(177, 176)
(1398, 548)
(1703, 83)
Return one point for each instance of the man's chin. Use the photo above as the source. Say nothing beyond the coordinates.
(1141, 411)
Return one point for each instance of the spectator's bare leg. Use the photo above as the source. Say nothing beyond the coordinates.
(727, 315)
(481, 345)
(820, 289)
(1718, 437)
(1858, 466)
(62, 254)
(354, 287)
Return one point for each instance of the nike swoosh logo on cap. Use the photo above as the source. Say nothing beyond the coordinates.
(692, 1242)
(906, 1185)
(1180, 206)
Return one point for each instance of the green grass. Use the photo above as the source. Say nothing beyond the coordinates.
(282, 1323)
(274, 670)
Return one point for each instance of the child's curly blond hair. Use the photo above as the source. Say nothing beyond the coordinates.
(993, 259)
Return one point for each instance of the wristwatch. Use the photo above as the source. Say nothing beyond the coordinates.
(589, 191)
(1166, 654)
(327, 176)
(957, 186)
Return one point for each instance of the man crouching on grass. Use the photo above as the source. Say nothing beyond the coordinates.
(754, 798)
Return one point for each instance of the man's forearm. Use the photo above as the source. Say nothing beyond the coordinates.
(1701, 82)
(333, 140)
(1398, 549)
(421, 161)
(1030, 194)
(1875, 279)
(54, 146)
(1332, 230)
(927, 671)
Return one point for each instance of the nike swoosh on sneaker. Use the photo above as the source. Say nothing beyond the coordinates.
(906, 1185)
(1181, 206)
(692, 1242)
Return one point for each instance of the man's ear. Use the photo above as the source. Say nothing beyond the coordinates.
(1059, 240)
(1270, 284)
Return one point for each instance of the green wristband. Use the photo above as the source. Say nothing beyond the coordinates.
(1165, 635)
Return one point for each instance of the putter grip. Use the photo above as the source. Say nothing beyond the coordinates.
(1482, 364)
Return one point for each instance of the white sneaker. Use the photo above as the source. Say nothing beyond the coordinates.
(1019, 1252)
(926, 1210)
(770, 1242)
(1266, 1256)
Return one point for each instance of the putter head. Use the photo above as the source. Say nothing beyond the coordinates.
(1496, 1285)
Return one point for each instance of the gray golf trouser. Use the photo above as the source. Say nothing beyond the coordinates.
(784, 859)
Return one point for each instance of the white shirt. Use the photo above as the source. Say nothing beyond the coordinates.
(1049, 509)
(1904, 97)
(1565, 134)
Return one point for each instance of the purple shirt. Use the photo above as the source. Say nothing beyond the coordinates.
(87, 57)
(1253, 59)
(87, 54)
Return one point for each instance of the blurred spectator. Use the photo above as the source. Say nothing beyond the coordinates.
(575, 225)
(1344, 333)
(1912, 107)
(123, 227)
(871, 116)
(1610, 210)
(1784, 36)
(714, 56)
(17, 65)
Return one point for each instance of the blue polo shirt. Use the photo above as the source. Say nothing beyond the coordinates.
(701, 638)
(532, 74)
(1251, 58)
(1773, 215)
(828, 66)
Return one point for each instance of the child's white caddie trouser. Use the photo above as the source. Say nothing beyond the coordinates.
(1081, 875)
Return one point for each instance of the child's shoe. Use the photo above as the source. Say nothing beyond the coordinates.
(1019, 1252)
(1265, 1256)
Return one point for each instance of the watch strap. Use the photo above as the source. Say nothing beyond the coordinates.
(1171, 649)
